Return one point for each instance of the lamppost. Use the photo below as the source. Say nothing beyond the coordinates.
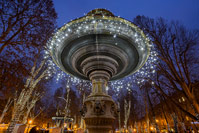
(75, 128)
(99, 47)
(29, 122)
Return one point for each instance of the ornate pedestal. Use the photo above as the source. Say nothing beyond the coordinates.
(99, 113)
(99, 110)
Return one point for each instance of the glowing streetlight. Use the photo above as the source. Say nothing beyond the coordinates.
(75, 126)
(30, 122)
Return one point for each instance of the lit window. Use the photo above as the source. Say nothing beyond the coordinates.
(183, 99)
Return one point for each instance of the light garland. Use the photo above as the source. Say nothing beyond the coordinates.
(111, 25)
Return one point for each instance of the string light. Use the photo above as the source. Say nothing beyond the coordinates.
(115, 26)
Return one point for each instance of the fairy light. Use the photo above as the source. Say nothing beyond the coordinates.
(115, 26)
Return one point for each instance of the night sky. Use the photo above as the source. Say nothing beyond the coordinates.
(185, 11)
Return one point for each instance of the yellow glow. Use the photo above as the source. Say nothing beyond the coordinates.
(156, 120)
(65, 124)
(30, 122)
(183, 99)
(37, 128)
(75, 126)
(151, 128)
(134, 129)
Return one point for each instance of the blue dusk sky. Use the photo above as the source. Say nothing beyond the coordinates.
(184, 11)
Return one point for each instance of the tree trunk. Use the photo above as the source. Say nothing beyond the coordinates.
(119, 117)
(165, 117)
(14, 121)
(148, 126)
(153, 112)
(183, 127)
(2, 116)
(127, 108)
(168, 127)
(175, 121)
(192, 99)
(136, 125)
(25, 118)
(26, 93)
(194, 107)
(141, 129)
(156, 125)
(147, 115)
(82, 120)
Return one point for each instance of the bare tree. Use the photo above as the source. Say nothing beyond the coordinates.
(67, 101)
(21, 101)
(82, 120)
(178, 65)
(147, 113)
(152, 111)
(164, 111)
(119, 117)
(25, 26)
(21, 22)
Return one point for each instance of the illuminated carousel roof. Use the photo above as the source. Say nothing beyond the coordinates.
(100, 45)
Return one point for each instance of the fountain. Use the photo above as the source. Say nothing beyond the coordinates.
(99, 47)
